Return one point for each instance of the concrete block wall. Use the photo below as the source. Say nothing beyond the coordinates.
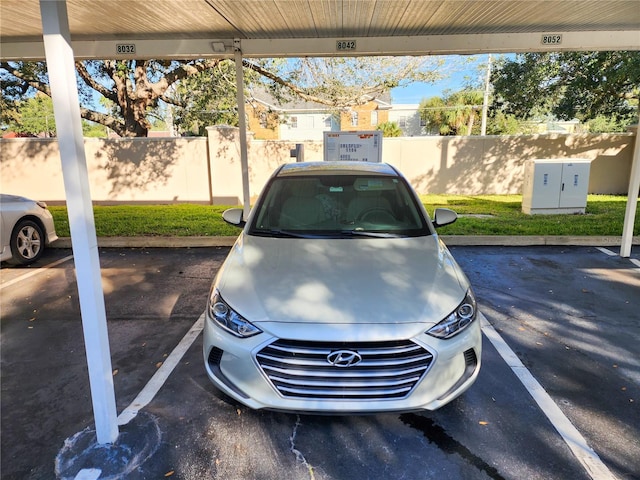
(207, 170)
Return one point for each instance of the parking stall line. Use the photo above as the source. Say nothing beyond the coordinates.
(35, 271)
(606, 251)
(589, 459)
(88, 474)
(160, 377)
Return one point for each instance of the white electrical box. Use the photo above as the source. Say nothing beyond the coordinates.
(553, 186)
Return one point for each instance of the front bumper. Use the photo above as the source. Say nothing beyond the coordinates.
(236, 367)
(49, 227)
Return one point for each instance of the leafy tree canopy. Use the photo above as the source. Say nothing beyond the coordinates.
(34, 116)
(203, 91)
(346, 82)
(582, 85)
(455, 114)
(390, 129)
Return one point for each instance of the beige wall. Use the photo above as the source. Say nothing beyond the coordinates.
(136, 170)
(162, 170)
(494, 164)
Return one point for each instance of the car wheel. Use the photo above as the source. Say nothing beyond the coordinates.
(27, 242)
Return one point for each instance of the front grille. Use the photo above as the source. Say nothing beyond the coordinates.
(387, 370)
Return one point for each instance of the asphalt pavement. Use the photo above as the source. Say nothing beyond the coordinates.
(569, 314)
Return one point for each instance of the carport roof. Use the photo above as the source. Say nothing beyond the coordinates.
(298, 27)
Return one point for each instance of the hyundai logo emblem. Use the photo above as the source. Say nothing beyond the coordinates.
(344, 358)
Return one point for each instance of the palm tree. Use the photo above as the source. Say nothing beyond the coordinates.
(451, 114)
(390, 129)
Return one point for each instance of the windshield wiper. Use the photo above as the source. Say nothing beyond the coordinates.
(365, 233)
(277, 233)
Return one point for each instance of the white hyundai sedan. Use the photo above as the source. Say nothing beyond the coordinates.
(339, 297)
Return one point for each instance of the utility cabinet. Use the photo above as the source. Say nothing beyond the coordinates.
(553, 186)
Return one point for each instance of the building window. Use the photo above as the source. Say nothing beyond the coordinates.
(374, 117)
(293, 122)
(327, 121)
(402, 121)
(423, 122)
(354, 119)
(263, 119)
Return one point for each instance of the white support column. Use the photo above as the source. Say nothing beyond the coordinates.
(242, 123)
(632, 199)
(62, 79)
(485, 98)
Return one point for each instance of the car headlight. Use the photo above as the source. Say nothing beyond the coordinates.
(228, 318)
(457, 320)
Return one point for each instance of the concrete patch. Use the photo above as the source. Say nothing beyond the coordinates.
(81, 453)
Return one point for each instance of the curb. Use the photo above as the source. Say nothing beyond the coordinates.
(153, 242)
(450, 240)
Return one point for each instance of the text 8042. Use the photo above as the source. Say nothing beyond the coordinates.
(342, 45)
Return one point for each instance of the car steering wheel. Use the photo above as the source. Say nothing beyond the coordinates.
(376, 214)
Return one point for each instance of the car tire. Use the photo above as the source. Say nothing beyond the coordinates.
(27, 242)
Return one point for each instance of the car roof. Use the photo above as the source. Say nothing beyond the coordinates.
(336, 168)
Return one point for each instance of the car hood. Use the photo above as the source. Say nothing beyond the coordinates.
(7, 198)
(341, 281)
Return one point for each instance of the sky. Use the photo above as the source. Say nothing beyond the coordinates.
(415, 92)
(463, 69)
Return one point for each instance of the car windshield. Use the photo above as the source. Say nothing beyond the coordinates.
(338, 206)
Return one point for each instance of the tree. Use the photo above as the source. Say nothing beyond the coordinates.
(432, 111)
(456, 114)
(90, 129)
(34, 116)
(347, 82)
(390, 129)
(206, 98)
(468, 109)
(197, 88)
(338, 83)
(603, 124)
(9, 114)
(583, 85)
(500, 123)
(133, 87)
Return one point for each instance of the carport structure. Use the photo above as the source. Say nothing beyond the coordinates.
(65, 31)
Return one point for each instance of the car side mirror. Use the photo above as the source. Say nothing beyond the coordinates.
(444, 216)
(233, 216)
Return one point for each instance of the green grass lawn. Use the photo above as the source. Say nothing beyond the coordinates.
(152, 220)
(499, 215)
(604, 216)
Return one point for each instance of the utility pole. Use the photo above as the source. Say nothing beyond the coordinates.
(485, 101)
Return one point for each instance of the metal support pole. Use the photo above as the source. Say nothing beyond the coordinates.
(298, 152)
(66, 106)
(242, 122)
(632, 199)
(485, 100)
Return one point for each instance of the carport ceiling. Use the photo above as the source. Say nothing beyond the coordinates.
(188, 28)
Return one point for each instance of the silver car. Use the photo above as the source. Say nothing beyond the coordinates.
(27, 227)
(339, 297)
